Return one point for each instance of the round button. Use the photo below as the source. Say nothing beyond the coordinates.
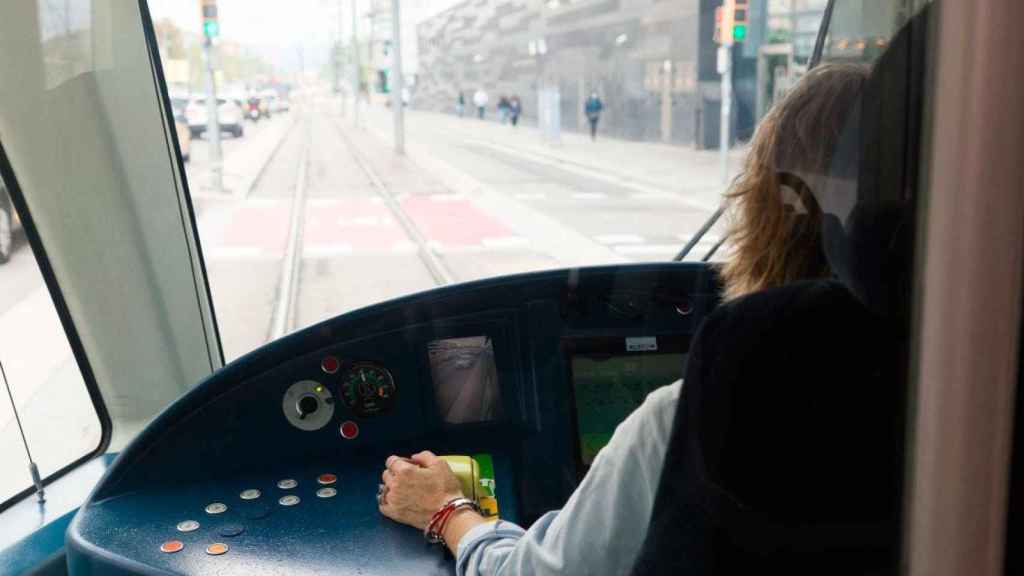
(216, 508)
(289, 500)
(327, 492)
(172, 546)
(256, 511)
(250, 494)
(327, 478)
(217, 549)
(188, 526)
(330, 364)
(349, 430)
(287, 484)
(231, 530)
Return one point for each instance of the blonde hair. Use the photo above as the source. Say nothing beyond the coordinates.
(772, 244)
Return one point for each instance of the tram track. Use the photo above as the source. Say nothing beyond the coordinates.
(437, 269)
(284, 317)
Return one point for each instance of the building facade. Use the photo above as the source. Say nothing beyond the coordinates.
(653, 62)
(639, 55)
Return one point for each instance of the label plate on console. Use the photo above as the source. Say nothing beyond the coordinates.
(642, 344)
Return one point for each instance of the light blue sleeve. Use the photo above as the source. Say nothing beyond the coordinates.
(603, 525)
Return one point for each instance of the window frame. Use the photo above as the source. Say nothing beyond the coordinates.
(70, 331)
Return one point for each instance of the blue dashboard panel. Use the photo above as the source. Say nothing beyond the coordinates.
(338, 397)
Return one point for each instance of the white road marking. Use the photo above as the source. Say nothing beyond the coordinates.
(619, 239)
(639, 249)
(326, 250)
(504, 242)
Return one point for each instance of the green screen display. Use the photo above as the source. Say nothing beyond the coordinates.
(609, 388)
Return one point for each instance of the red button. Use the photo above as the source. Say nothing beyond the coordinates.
(328, 478)
(349, 430)
(330, 364)
(172, 546)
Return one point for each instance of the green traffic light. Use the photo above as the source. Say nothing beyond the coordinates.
(211, 29)
(739, 32)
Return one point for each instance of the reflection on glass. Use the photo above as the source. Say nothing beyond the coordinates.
(48, 390)
(465, 379)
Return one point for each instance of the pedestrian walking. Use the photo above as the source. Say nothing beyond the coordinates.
(593, 111)
(480, 101)
(503, 109)
(515, 108)
(460, 104)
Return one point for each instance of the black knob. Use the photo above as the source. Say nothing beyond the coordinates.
(307, 405)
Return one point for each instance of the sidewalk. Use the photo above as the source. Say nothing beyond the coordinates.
(242, 164)
(649, 167)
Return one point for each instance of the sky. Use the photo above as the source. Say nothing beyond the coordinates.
(282, 29)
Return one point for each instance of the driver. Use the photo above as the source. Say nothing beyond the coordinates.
(603, 525)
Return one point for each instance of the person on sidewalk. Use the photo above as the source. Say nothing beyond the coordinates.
(593, 109)
(515, 109)
(480, 101)
(503, 109)
(460, 104)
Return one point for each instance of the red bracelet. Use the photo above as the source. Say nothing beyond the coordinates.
(434, 532)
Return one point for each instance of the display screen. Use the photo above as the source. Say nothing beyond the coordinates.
(607, 388)
(465, 378)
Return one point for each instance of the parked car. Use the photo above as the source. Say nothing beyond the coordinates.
(8, 224)
(229, 113)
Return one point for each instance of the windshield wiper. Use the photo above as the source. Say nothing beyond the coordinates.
(700, 234)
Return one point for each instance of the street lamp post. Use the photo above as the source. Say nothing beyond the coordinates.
(355, 66)
(396, 79)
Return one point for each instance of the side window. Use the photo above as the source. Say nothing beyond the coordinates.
(46, 412)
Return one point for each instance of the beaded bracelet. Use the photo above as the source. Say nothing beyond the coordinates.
(434, 531)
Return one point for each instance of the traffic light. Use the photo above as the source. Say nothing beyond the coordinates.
(211, 26)
(739, 21)
(731, 21)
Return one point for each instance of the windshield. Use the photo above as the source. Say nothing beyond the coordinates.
(536, 136)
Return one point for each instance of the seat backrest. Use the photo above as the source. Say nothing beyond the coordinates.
(787, 451)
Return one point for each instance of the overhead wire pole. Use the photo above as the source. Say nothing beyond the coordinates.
(355, 64)
(396, 79)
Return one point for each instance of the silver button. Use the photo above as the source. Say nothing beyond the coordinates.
(287, 484)
(327, 492)
(188, 526)
(250, 494)
(288, 500)
(216, 508)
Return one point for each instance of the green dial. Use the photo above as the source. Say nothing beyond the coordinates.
(368, 389)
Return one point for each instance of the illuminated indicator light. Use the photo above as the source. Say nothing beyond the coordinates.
(739, 32)
(318, 389)
(172, 546)
(349, 430)
(330, 364)
(327, 479)
(217, 549)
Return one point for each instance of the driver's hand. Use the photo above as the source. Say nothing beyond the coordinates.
(416, 488)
